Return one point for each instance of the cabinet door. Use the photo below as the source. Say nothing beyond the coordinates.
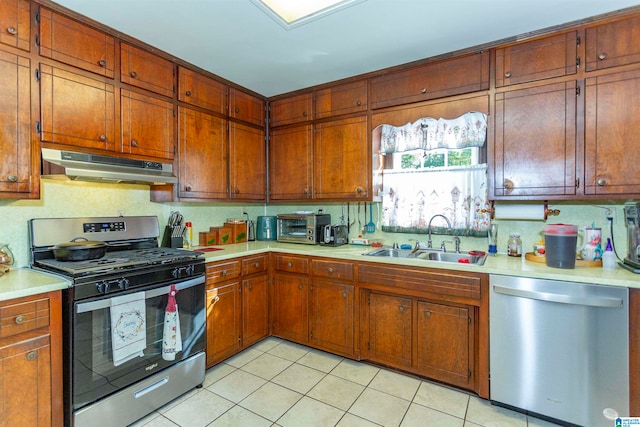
(247, 163)
(146, 70)
(25, 382)
(430, 81)
(341, 99)
(290, 163)
(389, 334)
(76, 110)
(342, 165)
(294, 109)
(445, 343)
(147, 126)
(290, 308)
(203, 157)
(15, 23)
(205, 92)
(612, 134)
(245, 107)
(535, 141)
(549, 57)
(224, 322)
(16, 169)
(613, 44)
(76, 44)
(331, 316)
(255, 309)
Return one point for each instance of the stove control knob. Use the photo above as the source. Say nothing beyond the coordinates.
(123, 283)
(103, 287)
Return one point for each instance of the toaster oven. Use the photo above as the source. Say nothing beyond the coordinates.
(306, 228)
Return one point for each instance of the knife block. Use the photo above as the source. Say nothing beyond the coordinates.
(169, 241)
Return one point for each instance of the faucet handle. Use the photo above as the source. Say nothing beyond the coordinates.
(456, 240)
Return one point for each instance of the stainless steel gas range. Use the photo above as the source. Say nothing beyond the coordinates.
(133, 319)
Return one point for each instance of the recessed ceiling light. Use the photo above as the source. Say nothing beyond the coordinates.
(293, 13)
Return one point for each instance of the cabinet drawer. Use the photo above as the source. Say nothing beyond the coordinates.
(202, 91)
(257, 264)
(291, 110)
(333, 269)
(431, 81)
(223, 271)
(613, 44)
(146, 70)
(76, 44)
(23, 315)
(292, 264)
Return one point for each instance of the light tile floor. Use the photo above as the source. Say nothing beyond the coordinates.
(278, 383)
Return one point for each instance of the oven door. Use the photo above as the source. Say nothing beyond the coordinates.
(94, 373)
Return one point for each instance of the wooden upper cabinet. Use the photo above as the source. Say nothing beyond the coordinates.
(545, 58)
(341, 159)
(16, 146)
(534, 153)
(247, 163)
(146, 70)
(294, 109)
(613, 44)
(203, 91)
(612, 134)
(76, 110)
(245, 107)
(203, 149)
(341, 99)
(287, 147)
(76, 44)
(15, 23)
(147, 126)
(429, 81)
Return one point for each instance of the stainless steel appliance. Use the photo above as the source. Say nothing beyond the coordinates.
(632, 220)
(334, 235)
(117, 366)
(307, 228)
(560, 349)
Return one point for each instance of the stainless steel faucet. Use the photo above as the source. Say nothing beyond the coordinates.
(429, 242)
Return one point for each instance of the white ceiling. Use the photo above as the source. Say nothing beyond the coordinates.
(236, 40)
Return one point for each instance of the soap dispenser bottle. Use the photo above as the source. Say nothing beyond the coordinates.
(609, 260)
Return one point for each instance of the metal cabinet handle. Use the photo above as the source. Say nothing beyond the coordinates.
(300, 286)
(188, 93)
(134, 143)
(507, 74)
(133, 74)
(32, 355)
(359, 190)
(289, 264)
(250, 287)
(304, 114)
(223, 273)
(401, 308)
(358, 103)
(20, 319)
(187, 188)
(330, 270)
(427, 313)
(601, 182)
(344, 294)
(423, 90)
(602, 56)
(256, 265)
(12, 178)
(12, 31)
(508, 184)
(237, 110)
(102, 63)
(102, 138)
(305, 191)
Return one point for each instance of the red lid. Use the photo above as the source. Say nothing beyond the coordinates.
(187, 224)
(561, 229)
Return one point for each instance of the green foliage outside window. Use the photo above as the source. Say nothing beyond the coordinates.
(434, 160)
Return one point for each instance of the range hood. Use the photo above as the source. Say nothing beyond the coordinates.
(99, 168)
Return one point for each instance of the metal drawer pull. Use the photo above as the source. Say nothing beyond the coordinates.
(102, 138)
(102, 63)
(300, 286)
(401, 308)
(507, 74)
(330, 270)
(188, 93)
(12, 178)
(289, 264)
(423, 90)
(134, 74)
(602, 56)
(32, 355)
(223, 272)
(256, 265)
(134, 143)
(12, 30)
(601, 182)
(344, 294)
(20, 319)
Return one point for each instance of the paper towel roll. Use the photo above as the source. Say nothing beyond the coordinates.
(528, 212)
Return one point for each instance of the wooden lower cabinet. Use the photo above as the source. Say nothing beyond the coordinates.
(331, 316)
(445, 342)
(224, 317)
(31, 361)
(291, 307)
(388, 332)
(255, 309)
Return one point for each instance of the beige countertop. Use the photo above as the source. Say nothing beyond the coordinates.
(23, 282)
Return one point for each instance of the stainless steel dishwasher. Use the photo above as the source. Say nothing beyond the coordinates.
(560, 349)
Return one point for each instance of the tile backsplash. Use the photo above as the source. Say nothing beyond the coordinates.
(62, 198)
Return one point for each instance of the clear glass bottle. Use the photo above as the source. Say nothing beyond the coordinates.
(6, 258)
(514, 245)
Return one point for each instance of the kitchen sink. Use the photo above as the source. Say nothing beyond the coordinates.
(471, 257)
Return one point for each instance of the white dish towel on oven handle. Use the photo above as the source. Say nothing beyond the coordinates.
(128, 327)
(171, 338)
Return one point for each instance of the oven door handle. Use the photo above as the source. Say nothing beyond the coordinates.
(151, 293)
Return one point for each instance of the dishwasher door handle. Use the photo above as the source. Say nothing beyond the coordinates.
(560, 298)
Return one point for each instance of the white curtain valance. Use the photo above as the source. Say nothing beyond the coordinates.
(468, 130)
